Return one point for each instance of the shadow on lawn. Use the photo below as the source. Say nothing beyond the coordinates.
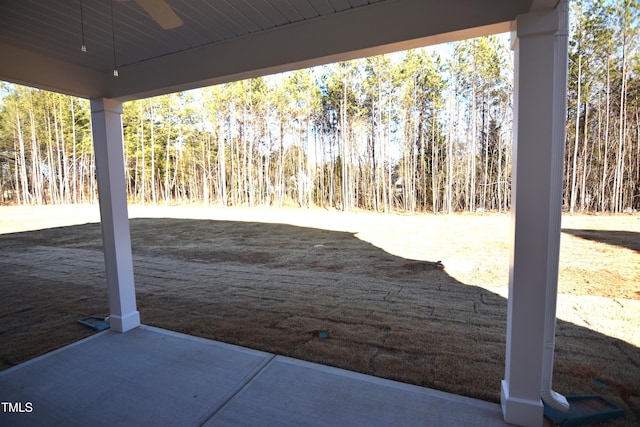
(623, 239)
(275, 287)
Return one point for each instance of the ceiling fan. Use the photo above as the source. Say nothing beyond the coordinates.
(161, 12)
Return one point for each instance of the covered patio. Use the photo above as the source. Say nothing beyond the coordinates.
(155, 377)
(119, 51)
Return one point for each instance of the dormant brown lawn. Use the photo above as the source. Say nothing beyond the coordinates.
(415, 298)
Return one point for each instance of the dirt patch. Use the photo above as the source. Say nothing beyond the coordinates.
(420, 299)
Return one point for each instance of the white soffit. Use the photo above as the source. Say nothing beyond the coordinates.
(220, 40)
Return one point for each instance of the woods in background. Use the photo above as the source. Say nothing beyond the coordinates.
(423, 130)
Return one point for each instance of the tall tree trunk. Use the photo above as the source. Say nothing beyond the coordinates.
(485, 128)
(449, 192)
(435, 184)
(17, 190)
(250, 157)
(59, 155)
(222, 179)
(389, 192)
(574, 169)
(74, 159)
(154, 197)
(585, 162)
(51, 174)
(499, 177)
(209, 172)
(474, 143)
(36, 175)
(603, 200)
(619, 171)
(281, 183)
(65, 159)
(24, 180)
(92, 180)
(245, 158)
(167, 189)
(343, 147)
(205, 180)
(143, 161)
(82, 172)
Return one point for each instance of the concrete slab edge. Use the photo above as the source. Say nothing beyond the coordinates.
(436, 394)
(53, 352)
(200, 340)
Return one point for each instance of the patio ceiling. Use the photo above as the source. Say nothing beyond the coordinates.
(220, 40)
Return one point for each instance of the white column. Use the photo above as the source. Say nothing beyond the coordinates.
(106, 123)
(540, 45)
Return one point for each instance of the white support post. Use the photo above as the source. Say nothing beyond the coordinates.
(106, 123)
(540, 44)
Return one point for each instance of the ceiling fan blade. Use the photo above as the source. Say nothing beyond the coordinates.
(161, 12)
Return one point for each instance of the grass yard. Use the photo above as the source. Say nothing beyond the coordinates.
(415, 298)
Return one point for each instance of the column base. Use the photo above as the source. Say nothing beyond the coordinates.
(124, 323)
(521, 412)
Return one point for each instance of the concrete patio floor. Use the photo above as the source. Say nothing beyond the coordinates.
(155, 377)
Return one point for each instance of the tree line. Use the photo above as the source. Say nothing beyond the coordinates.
(418, 131)
(602, 165)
